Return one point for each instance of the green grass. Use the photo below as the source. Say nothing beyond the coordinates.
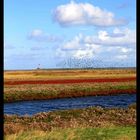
(34, 92)
(112, 133)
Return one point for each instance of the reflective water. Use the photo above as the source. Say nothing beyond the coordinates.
(33, 107)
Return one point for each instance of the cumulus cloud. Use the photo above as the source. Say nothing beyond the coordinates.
(85, 14)
(103, 45)
(75, 43)
(121, 49)
(78, 48)
(116, 38)
(87, 53)
(40, 36)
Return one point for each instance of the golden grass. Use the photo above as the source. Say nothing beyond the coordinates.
(68, 74)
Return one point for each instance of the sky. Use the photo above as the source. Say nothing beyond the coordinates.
(69, 33)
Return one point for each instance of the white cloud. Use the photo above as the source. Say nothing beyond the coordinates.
(124, 50)
(78, 48)
(87, 53)
(36, 33)
(103, 35)
(121, 57)
(102, 45)
(74, 43)
(40, 36)
(85, 14)
(126, 37)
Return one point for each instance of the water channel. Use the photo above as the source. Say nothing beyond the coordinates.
(33, 107)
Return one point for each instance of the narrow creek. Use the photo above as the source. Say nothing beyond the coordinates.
(33, 107)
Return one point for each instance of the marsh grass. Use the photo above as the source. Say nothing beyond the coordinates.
(113, 133)
(33, 92)
(94, 117)
(68, 74)
(93, 123)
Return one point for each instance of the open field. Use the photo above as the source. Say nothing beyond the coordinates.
(49, 84)
(68, 74)
(92, 122)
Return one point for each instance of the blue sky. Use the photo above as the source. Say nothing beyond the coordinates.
(50, 33)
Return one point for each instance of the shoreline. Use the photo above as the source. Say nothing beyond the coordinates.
(99, 93)
(94, 117)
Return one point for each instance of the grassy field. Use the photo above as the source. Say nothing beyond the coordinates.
(34, 92)
(48, 91)
(68, 74)
(114, 133)
(92, 122)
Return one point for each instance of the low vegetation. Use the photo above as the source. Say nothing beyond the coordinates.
(14, 93)
(68, 74)
(114, 133)
(113, 122)
(27, 91)
(88, 117)
(78, 124)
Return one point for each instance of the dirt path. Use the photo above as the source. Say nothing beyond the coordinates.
(70, 81)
